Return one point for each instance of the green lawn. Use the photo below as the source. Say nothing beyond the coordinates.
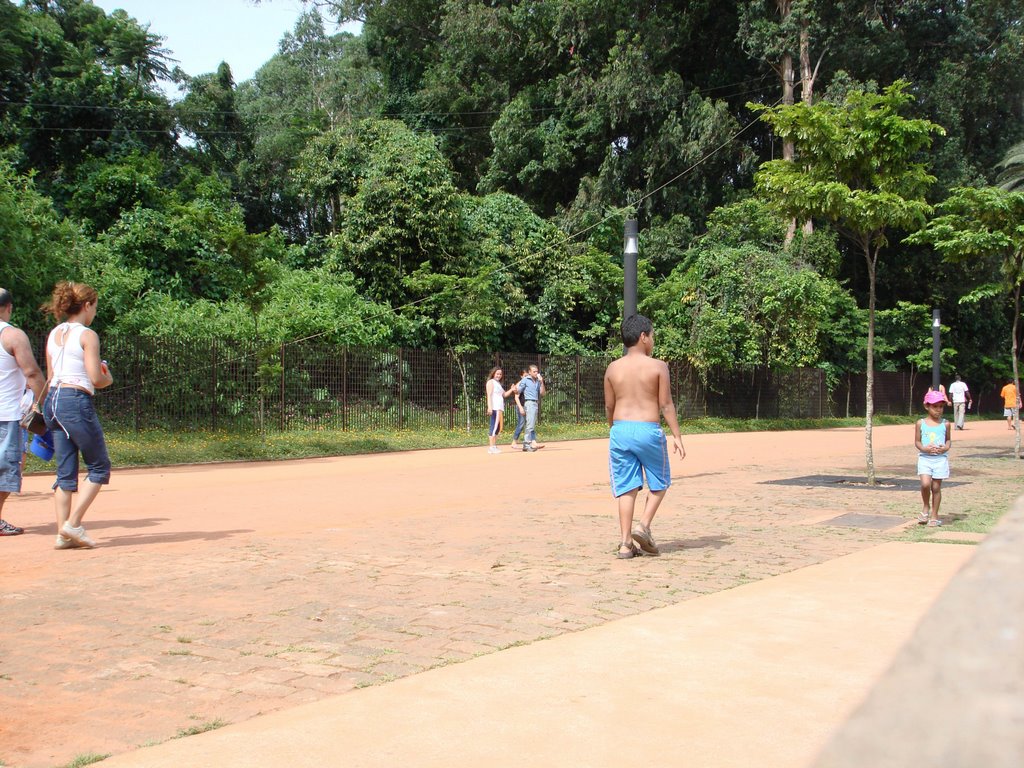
(161, 447)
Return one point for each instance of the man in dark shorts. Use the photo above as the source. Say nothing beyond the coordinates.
(637, 393)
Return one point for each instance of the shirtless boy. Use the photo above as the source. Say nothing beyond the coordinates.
(636, 395)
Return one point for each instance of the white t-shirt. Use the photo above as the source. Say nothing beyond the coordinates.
(958, 391)
(12, 383)
(496, 398)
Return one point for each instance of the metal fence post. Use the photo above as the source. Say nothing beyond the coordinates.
(344, 388)
(213, 385)
(400, 421)
(281, 417)
(451, 393)
(577, 389)
(138, 389)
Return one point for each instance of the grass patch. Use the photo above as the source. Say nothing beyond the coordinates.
(87, 759)
(163, 447)
(194, 730)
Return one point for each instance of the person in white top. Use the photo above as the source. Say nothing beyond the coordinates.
(75, 373)
(18, 370)
(962, 401)
(496, 395)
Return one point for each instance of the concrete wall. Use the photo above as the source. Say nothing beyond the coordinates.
(955, 694)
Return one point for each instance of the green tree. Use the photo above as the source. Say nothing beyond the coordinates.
(740, 299)
(39, 247)
(986, 225)
(104, 189)
(388, 195)
(1011, 169)
(857, 167)
(209, 115)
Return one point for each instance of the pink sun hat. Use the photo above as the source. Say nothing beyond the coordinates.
(934, 397)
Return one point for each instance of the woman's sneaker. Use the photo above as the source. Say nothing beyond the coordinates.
(78, 535)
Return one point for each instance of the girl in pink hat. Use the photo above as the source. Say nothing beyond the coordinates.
(932, 436)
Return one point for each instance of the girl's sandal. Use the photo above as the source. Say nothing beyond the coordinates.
(630, 553)
(934, 523)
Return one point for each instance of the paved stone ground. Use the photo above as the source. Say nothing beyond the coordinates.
(223, 592)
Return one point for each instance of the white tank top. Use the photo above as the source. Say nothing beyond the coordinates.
(496, 400)
(12, 382)
(68, 362)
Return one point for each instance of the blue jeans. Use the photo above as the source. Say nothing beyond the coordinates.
(531, 421)
(12, 447)
(520, 425)
(71, 417)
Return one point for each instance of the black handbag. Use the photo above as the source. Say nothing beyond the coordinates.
(34, 422)
(33, 419)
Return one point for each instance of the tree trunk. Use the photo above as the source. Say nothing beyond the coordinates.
(1016, 372)
(788, 146)
(807, 77)
(465, 390)
(869, 394)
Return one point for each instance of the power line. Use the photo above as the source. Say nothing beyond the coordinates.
(172, 110)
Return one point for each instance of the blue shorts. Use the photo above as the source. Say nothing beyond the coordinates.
(495, 426)
(12, 448)
(634, 446)
(936, 467)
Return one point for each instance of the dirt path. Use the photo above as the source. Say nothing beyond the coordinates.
(222, 592)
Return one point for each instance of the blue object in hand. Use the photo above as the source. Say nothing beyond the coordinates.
(42, 446)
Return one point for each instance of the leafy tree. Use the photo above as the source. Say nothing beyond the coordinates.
(857, 167)
(39, 247)
(296, 304)
(741, 299)
(137, 51)
(985, 224)
(933, 43)
(196, 248)
(209, 115)
(104, 189)
(83, 89)
(388, 195)
(314, 84)
(1011, 167)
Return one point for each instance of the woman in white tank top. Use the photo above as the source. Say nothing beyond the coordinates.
(75, 373)
(496, 395)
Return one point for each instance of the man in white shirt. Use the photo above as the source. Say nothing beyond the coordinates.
(961, 401)
(18, 370)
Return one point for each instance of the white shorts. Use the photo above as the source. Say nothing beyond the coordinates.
(937, 467)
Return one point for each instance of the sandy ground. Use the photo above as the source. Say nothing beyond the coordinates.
(222, 592)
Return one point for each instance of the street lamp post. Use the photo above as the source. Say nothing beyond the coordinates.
(629, 257)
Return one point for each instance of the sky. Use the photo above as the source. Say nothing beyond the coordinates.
(202, 33)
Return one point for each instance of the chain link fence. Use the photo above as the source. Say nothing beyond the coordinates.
(174, 385)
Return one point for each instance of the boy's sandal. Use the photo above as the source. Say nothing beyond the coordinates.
(642, 536)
